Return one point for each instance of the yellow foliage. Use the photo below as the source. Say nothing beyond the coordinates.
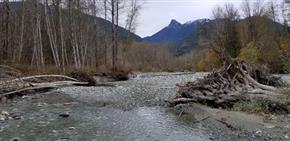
(285, 51)
(249, 53)
(201, 66)
(209, 62)
(285, 46)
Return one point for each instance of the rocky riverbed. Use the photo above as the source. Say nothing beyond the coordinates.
(132, 110)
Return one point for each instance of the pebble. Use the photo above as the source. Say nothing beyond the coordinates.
(41, 104)
(259, 132)
(71, 128)
(65, 115)
(54, 131)
(67, 104)
(286, 137)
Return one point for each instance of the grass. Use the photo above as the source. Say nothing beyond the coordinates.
(264, 106)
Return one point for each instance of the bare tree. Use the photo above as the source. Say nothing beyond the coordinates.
(134, 9)
(113, 33)
(63, 49)
(253, 11)
(272, 11)
(64, 33)
(105, 40)
(51, 35)
(224, 37)
(21, 44)
(7, 26)
(37, 57)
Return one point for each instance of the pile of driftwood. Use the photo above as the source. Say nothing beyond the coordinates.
(230, 84)
(11, 82)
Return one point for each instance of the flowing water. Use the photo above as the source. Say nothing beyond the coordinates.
(130, 111)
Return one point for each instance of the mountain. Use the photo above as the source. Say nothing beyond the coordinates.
(100, 22)
(122, 32)
(174, 33)
(184, 37)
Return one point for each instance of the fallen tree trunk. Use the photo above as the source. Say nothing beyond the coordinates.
(60, 84)
(228, 85)
(44, 86)
(10, 87)
(45, 76)
(13, 93)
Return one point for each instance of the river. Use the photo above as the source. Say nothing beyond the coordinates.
(132, 110)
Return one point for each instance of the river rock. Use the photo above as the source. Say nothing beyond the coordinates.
(2, 118)
(5, 113)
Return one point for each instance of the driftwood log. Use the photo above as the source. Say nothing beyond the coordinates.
(230, 84)
(9, 87)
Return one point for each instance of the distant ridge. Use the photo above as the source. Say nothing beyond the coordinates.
(186, 37)
(183, 36)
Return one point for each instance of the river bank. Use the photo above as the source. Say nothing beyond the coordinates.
(132, 110)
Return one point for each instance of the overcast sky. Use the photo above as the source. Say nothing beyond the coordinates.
(157, 14)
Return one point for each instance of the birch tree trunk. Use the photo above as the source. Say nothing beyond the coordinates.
(63, 50)
(51, 36)
(105, 44)
(6, 40)
(21, 33)
(37, 58)
(113, 16)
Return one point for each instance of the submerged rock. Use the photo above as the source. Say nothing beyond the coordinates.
(64, 115)
(17, 117)
(15, 139)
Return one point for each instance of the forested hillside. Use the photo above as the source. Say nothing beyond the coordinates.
(261, 36)
(65, 33)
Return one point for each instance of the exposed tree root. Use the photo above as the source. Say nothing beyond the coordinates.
(228, 85)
